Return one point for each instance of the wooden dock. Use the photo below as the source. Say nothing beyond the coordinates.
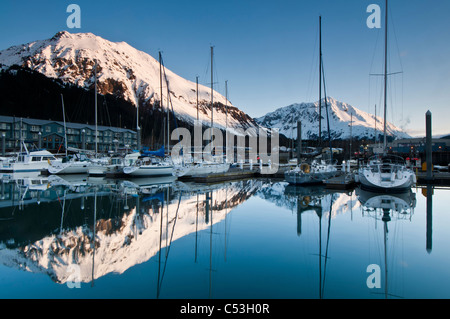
(232, 174)
(343, 181)
(438, 178)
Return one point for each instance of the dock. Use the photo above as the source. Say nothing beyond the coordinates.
(438, 178)
(343, 181)
(232, 174)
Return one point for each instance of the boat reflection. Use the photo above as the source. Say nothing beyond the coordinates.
(387, 208)
(105, 226)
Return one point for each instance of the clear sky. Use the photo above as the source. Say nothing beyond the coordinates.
(267, 50)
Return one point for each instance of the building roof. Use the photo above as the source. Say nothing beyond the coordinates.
(11, 119)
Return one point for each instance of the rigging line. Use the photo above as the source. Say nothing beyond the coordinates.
(373, 59)
(171, 239)
(395, 36)
(312, 69)
(168, 95)
(105, 105)
(327, 245)
(326, 108)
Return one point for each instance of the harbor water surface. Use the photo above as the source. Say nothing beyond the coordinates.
(78, 237)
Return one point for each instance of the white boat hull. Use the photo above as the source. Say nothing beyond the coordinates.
(23, 167)
(148, 170)
(69, 168)
(386, 182)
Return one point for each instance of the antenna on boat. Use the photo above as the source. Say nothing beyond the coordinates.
(385, 76)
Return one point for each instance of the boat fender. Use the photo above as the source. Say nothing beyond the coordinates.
(305, 201)
(305, 168)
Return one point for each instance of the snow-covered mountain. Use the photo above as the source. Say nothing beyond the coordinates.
(122, 71)
(340, 116)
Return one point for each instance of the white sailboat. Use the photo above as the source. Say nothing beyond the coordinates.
(203, 167)
(386, 173)
(318, 170)
(75, 164)
(149, 166)
(117, 163)
(153, 166)
(96, 167)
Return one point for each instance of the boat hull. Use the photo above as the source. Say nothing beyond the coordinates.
(23, 167)
(69, 168)
(148, 170)
(385, 184)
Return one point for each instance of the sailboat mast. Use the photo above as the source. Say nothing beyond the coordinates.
(226, 105)
(96, 128)
(320, 80)
(196, 82)
(161, 94)
(385, 75)
(212, 101)
(212, 88)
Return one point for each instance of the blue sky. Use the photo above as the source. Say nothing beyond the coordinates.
(267, 50)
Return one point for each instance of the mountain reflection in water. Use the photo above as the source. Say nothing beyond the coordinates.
(50, 223)
(280, 241)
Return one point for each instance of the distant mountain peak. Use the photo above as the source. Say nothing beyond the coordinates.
(340, 115)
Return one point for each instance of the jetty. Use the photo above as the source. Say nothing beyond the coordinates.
(343, 181)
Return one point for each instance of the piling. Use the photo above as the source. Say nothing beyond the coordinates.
(3, 144)
(429, 147)
(299, 141)
(83, 139)
(429, 232)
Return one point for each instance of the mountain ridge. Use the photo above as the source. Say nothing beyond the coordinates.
(341, 115)
(124, 72)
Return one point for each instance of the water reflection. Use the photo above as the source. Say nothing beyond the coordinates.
(386, 207)
(104, 226)
(313, 241)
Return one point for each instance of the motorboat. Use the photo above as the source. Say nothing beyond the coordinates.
(33, 161)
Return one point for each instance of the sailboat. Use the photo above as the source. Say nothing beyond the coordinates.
(317, 171)
(97, 166)
(78, 163)
(204, 167)
(386, 173)
(153, 164)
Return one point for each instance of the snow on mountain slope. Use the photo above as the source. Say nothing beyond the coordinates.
(123, 71)
(285, 119)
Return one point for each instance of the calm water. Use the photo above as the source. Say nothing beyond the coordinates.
(255, 239)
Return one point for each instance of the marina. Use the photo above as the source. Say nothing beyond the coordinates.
(216, 158)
